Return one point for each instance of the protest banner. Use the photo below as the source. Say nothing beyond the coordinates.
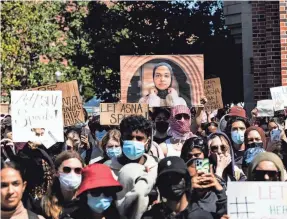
(32, 110)
(265, 108)
(279, 97)
(213, 93)
(257, 200)
(4, 108)
(162, 80)
(72, 106)
(114, 113)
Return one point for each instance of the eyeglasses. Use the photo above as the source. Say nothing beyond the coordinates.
(77, 170)
(182, 115)
(215, 148)
(260, 175)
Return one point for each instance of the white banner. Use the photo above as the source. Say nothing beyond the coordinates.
(265, 108)
(257, 200)
(37, 116)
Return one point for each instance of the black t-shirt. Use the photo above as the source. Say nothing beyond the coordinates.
(160, 140)
(161, 211)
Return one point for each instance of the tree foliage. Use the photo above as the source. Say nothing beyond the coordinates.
(96, 35)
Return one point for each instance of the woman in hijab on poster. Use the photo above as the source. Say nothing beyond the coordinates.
(163, 94)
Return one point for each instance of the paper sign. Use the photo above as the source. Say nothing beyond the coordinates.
(114, 113)
(213, 93)
(265, 108)
(257, 200)
(279, 97)
(37, 116)
(72, 106)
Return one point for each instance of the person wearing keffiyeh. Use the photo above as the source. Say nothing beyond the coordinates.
(180, 122)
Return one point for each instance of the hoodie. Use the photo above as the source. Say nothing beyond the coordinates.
(233, 173)
(267, 156)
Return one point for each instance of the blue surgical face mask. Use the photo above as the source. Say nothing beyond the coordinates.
(100, 135)
(70, 181)
(114, 152)
(133, 149)
(99, 204)
(237, 137)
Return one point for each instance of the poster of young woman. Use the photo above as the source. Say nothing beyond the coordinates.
(162, 80)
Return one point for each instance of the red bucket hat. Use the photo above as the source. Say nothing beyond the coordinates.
(97, 176)
(237, 111)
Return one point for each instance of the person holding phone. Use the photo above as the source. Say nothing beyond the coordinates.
(206, 189)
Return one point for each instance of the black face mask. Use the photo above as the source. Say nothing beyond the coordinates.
(255, 145)
(173, 192)
(162, 126)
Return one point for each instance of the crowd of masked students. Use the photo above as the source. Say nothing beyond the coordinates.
(141, 169)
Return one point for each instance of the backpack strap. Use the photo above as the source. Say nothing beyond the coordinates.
(32, 215)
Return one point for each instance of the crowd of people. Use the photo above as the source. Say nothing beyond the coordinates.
(142, 168)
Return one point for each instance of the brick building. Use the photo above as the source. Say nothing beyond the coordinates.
(261, 28)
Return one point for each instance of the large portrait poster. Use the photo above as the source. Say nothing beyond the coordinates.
(162, 80)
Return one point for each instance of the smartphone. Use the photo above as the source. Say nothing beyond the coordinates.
(275, 135)
(202, 165)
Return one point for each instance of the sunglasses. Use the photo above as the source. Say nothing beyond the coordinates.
(77, 170)
(107, 192)
(259, 175)
(215, 148)
(182, 115)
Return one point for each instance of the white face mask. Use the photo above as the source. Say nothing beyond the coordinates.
(70, 181)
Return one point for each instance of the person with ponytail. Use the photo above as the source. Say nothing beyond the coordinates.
(162, 94)
(60, 199)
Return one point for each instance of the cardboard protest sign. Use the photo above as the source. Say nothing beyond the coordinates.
(114, 113)
(37, 116)
(265, 108)
(279, 97)
(213, 93)
(162, 80)
(257, 200)
(72, 106)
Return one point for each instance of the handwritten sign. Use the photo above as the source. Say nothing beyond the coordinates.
(32, 110)
(265, 108)
(213, 93)
(72, 106)
(257, 200)
(114, 113)
(279, 97)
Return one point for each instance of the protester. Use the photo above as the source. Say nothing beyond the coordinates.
(97, 130)
(97, 193)
(194, 147)
(60, 200)
(266, 167)
(235, 129)
(13, 185)
(222, 158)
(136, 134)
(160, 117)
(174, 184)
(180, 122)
(111, 144)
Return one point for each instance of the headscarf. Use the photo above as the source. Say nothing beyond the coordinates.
(180, 129)
(163, 93)
(259, 130)
(267, 156)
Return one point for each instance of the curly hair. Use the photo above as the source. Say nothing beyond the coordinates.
(136, 122)
(233, 120)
